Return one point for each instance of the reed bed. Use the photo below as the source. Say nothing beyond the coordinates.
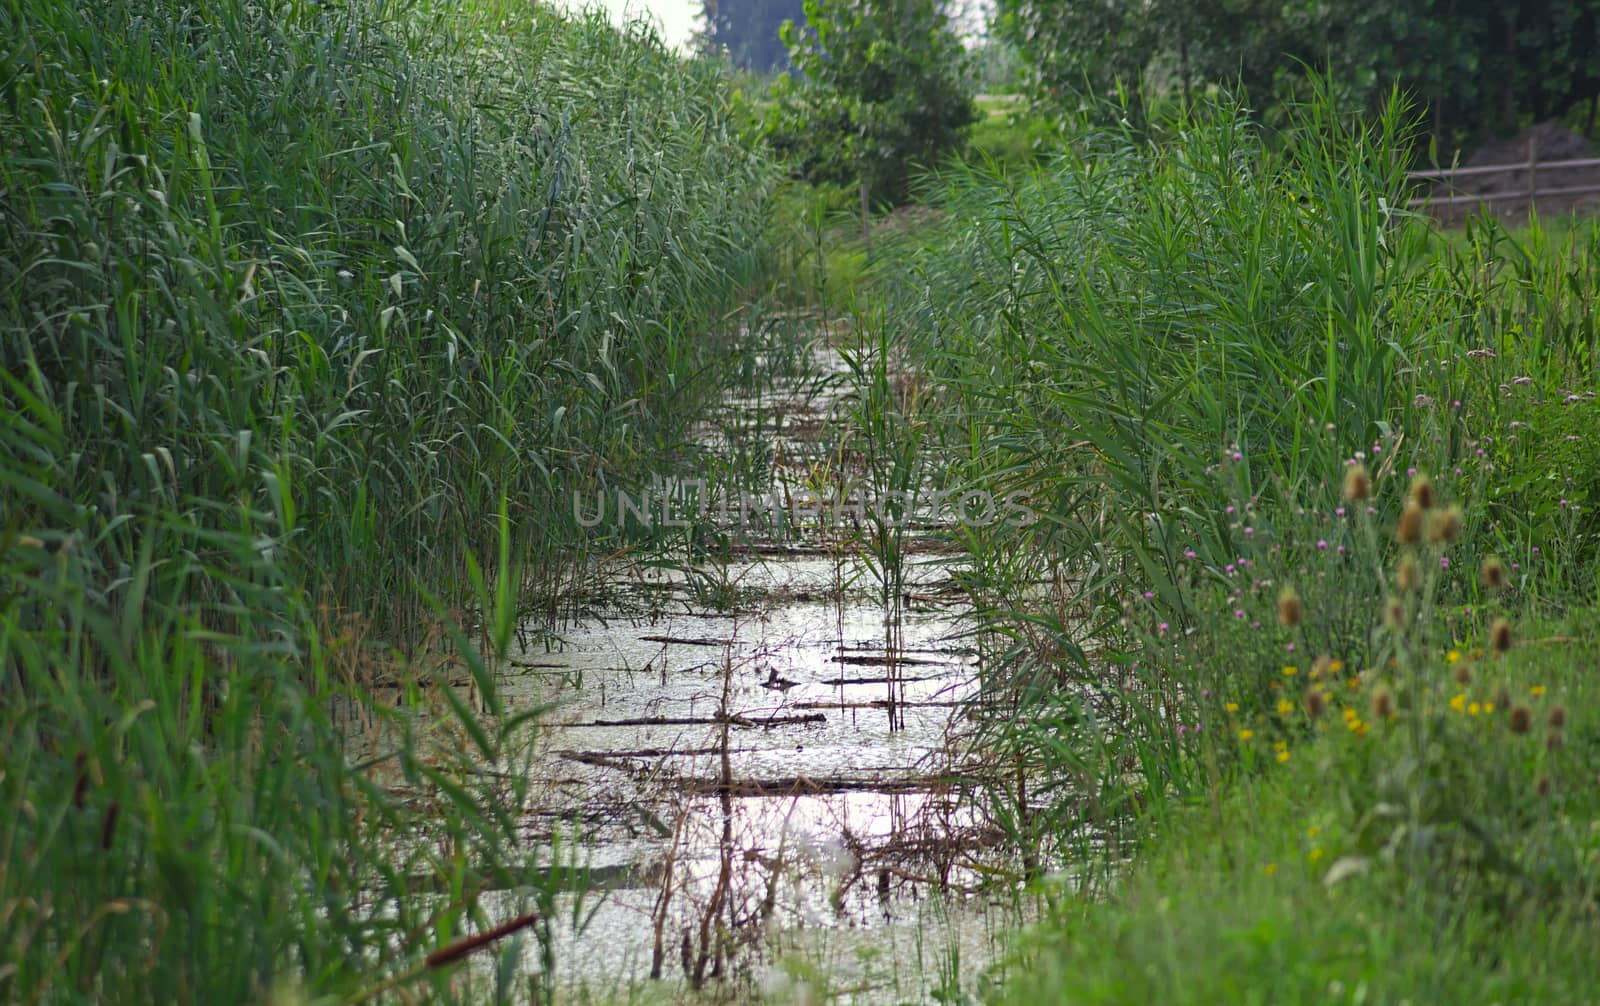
(312, 317)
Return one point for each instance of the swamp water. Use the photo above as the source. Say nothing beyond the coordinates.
(761, 761)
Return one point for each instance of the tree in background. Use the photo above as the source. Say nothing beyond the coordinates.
(748, 30)
(1474, 66)
(882, 86)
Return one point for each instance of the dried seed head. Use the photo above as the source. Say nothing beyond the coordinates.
(1316, 704)
(1291, 610)
(1500, 635)
(1382, 702)
(1541, 786)
(1409, 530)
(1521, 719)
(1409, 576)
(1463, 673)
(1394, 613)
(1493, 573)
(1357, 483)
(1557, 717)
(1444, 526)
(1422, 491)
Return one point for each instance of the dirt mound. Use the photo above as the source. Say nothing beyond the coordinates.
(1549, 142)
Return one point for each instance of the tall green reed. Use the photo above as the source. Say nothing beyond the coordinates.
(302, 307)
(1170, 339)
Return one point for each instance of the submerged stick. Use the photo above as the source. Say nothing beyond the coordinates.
(461, 948)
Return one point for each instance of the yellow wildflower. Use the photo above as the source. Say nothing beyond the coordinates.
(1232, 707)
(1537, 690)
(1271, 868)
(1488, 707)
(1474, 709)
(1315, 854)
(1458, 702)
(1290, 670)
(1452, 656)
(1336, 667)
(1285, 707)
(1283, 756)
(1246, 734)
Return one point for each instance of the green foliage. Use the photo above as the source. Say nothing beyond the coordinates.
(1435, 799)
(349, 341)
(302, 307)
(1472, 68)
(882, 89)
(1174, 349)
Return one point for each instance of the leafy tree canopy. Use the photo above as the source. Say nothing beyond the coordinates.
(882, 86)
(1474, 66)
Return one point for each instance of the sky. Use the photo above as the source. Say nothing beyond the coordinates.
(675, 18)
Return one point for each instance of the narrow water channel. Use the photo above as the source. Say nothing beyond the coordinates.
(762, 765)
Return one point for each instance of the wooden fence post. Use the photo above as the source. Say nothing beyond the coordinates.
(1533, 170)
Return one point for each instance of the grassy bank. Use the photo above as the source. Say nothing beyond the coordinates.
(311, 316)
(1274, 700)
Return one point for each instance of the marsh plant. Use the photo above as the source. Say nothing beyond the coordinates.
(307, 311)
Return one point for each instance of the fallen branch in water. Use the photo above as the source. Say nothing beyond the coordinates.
(737, 719)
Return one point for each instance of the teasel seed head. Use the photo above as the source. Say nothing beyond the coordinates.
(1409, 530)
(1500, 635)
(1422, 491)
(1394, 613)
(1408, 577)
(1357, 483)
(1291, 610)
(1493, 573)
(1444, 526)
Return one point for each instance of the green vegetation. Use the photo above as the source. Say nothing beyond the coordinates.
(315, 317)
(1473, 67)
(304, 307)
(1334, 718)
(881, 89)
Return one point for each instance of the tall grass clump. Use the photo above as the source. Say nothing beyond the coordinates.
(1175, 343)
(303, 307)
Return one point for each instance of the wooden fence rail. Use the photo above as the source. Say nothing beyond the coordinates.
(1531, 192)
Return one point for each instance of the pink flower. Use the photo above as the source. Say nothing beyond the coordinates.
(1322, 545)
